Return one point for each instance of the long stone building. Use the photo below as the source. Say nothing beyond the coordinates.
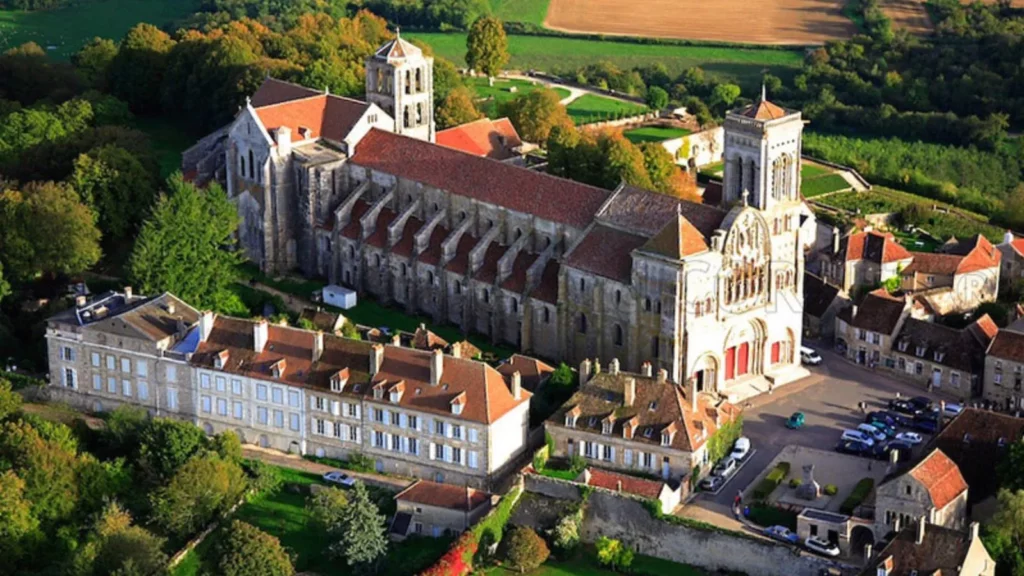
(357, 192)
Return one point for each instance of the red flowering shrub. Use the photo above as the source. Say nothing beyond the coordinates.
(457, 561)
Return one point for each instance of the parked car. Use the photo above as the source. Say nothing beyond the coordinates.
(337, 477)
(912, 438)
(821, 546)
(872, 432)
(781, 533)
(904, 407)
(857, 436)
(740, 449)
(882, 417)
(952, 410)
(855, 447)
(796, 421)
(899, 419)
(926, 425)
(906, 451)
(712, 483)
(884, 429)
(921, 402)
(725, 468)
(809, 356)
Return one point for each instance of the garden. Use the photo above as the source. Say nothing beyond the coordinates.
(654, 134)
(591, 108)
(502, 91)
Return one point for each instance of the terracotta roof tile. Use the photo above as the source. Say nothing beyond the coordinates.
(405, 244)
(450, 496)
(937, 264)
(397, 49)
(984, 329)
(274, 91)
(977, 440)
(647, 213)
(677, 240)
(547, 289)
(326, 116)
(353, 230)
(484, 137)
(516, 281)
(606, 252)
(942, 553)
(432, 254)
(1008, 345)
(941, 477)
(873, 246)
(532, 372)
(484, 179)
(1018, 245)
(763, 110)
(424, 339)
(488, 271)
(379, 237)
(323, 320)
(642, 487)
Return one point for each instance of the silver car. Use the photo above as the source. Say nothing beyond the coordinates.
(339, 477)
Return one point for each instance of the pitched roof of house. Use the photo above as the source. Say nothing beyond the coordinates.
(450, 496)
(957, 349)
(984, 330)
(818, 295)
(532, 372)
(1008, 345)
(764, 110)
(1018, 245)
(874, 247)
(657, 407)
(647, 213)
(547, 289)
(606, 252)
(940, 476)
(424, 339)
(154, 318)
(274, 91)
(484, 137)
(324, 320)
(942, 552)
(614, 481)
(677, 240)
(324, 115)
(977, 440)
(958, 257)
(937, 264)
(484, 179)
(878, 312)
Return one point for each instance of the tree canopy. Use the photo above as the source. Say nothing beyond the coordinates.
(360, 536)
(246, 550)
(202, 488)
(457, 108)
(487, 46)
(536, 113)
(117, 186)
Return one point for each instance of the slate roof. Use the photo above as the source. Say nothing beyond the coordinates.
(532, 372)
(818, 295)
(147, 318)
(941, 553)
(606, 252)
(1008, 345)
(958, 349)
(940, 476)
(484, 137)
(977, 440)
(544, 196)
(877, 312)
(450, 496)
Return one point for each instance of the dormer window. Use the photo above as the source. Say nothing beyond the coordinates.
(378, 391)
(220, 360)
(920, 351)
(648, 432)
(967, 438)
(666, 439)
(339, 380)
(652, 406)
(277, 368)
(939, 356)
(903, 346)
(458, 403)
(570, 421)
(591, 422)
(395, 394)
(606, 427)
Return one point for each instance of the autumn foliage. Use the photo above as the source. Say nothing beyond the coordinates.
(457, 561)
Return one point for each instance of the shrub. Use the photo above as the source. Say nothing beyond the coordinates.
(263, 478)
(540, 457)
(566, 535)
(771, 481)
(577, 463)
(857, 496)
(524, 549)
(795, 482)
(454, 562)
(831, 489)
(248, 551)
(612, 553)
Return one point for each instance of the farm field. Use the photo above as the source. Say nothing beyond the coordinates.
(530, 11)
(501, 92)
(62, 32)
(744, 66)
(654, 134)
(593, 108)
(790, 22)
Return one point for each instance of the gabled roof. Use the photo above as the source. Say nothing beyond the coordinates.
(873, 246)
(323, 320)
(606, 252)
(486, 180)
(677, 240)
(1008, 345)
(325, 116)
(450, 496)
(958, 257)
(977, 440)
(941, 477)
(532, 372)
(957, 349)
(484, 137)
(818, 295)
(878, 312)
(646, 213)
(274, 91)
(397, 49)
(614, 481)
(984, 329)
(942, 553)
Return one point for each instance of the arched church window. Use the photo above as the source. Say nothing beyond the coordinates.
(698, 309)
(518, 233)
(376, 260)
(458, 287)
(419, 80)
(707, 306)
(581, 324)
(241, 163)
(404, 269)
(647, 304)
(419, 113)
(547, 315)
(618, 335)
(351, 252)
(487, 296)
(252, 165)
(408, 85)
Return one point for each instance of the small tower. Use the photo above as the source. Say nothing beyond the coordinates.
(400, 80)
(762, 155)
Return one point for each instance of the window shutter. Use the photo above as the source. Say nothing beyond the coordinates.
(448, 431)
(428, 425)
(613, 453)
(335, 408)
(627, 457)
(431, 452)
(447, 453)
(387, 417)
(583, 447)
(405, 445)
(639, 458)
(403, 420)
(344, 408)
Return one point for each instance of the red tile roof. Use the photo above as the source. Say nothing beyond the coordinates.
(488, 271)
(647, 213)
(353, 230)
(484, 137)
(606, 252)
(484, 179)
(874, 246)
(326, 116)
(516, 281)
(677, 240)
(1008, 345)
(984, 329)
(274, 91)
(1018, 245)
(644, 488)
(405, 244)
(547, 289)
(937, 264)
(532, 372)
(448, 496)
(459, 263)
(763, 110)
(940, 477)
(432, 255)
(379, 237)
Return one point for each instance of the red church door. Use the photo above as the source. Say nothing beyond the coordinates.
(743, 360)
(776, 348)
(730, 363)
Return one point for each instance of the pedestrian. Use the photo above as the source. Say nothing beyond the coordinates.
(898, 395)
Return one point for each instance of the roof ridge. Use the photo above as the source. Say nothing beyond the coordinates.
(293, 101)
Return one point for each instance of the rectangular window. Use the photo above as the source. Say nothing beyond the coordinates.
(319, 403)
(396, 443)
(353, 410)
(204, 381)
(293, 421)
(648, 461)
(97, 382)
(607, 453)
(70, 378)
(439, 451)
(172, 373)
(378, 415)
(111, 362)
(293, 399)
(236, 387)
(338, 430)
(378, 438)
(413, 446)
(457, 455)
(172, 399)
(395, 419)
(320, 426)
(126, 387)
(472, 460)
(238, 410)
(439, 427)
(278, 418)
(353, 433)
(112, 385)
(222, 407)
(261, 391)
(126, 365)
(67, 354)
(142, 369)
(261, 415)
(222, 383)
(96, 359)
(414, 422)
(277, 396)
(590, 449)
(474, 435)
(143, 391)
(457, 431)
(206, 403)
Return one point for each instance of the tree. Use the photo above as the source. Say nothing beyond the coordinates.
(665, 176)
(124, 426)
(657, 98)
(1005, 534)
(612, 553)
(17, 522)
(10, 401)
(186, 246)
(248, 551)
(524, 549)
(326, 509)
(117, 186)
(203, 488)
(137, 71)
(622, 162)
(446, 78)
(361, 534)
(165, 445)
(228, 446)
(46, 229)
(99, 481)
(487, 46)
(457, 109)
(132, 547)
(567, 532)
(1011, 469)
(536, 113)
(562, 376)
(5, 287)
(723, 95)
(93, 61)
(47, 470)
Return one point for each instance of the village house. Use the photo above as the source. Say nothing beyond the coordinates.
(1011, 270)
(933, 491)
(957, 280)
(533, 373)
(639, 422)
(943, 358)
(431, 509)
(668, 496)
(1004, 369)
(923, 549)
(865, 331)
(822, 302)
(862, 259)
(977, 441)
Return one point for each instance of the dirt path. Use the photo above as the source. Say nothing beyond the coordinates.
(575, 92)
(298, 463)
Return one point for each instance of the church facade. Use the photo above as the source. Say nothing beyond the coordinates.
(358, 192)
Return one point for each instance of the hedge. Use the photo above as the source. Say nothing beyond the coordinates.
(19, 381)
(860, 492)
(771, 481)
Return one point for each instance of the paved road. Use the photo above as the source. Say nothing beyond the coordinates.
(297, 463)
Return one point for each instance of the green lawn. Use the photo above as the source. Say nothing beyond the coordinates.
(559, 54)
(169, 141)
(813, 171)
(593, 108)
(586, 565)
(531, 11)
(501, 92)
(822, 185)
(62, 32)
(654, 134)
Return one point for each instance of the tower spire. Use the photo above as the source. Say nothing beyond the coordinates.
(398, 32)
(764, 92)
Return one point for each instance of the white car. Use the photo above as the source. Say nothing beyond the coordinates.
(952, 410)
(858, 436)
(808, 356)
(821, 546)
(337, 477)
(725, 468)
(912, 438)
(740, 449)
(872, 432)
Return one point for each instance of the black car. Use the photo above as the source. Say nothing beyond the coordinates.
(921, 403)
(899, 419)
(903, 407)
(926, 425)
(852, 447)
(881, 451)
(882, 417)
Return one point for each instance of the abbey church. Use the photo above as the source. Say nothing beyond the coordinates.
(358, 192)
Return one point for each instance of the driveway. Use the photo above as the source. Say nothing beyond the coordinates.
(298, 463)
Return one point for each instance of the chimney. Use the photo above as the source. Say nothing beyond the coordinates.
(457, 350)
(396, 340)
(920, 530)
(584, 372)
(171, 308)
(205, 325)
(81, 301)
(127, 292)
(376, 358)
(645, 369)
(517, 385)
(974, 530)
(662, 376)
(1008, 237)
(318, 345)
(260, 334)
(853, 311)
(835, 240)
(283, 138)
(305, 133)
(629, 392)
(436, 367)
(613, 366)
(867, 552)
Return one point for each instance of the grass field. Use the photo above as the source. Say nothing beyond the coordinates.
(744, 66)
(654, 134)
(811, 187)
(531, 11)
(62, 32)
(501, 92)
(593, 108)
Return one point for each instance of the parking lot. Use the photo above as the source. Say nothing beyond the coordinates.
(829, 400)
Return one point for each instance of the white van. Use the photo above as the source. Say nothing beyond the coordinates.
(808, 356)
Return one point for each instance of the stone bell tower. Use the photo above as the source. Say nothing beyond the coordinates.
(400, 80)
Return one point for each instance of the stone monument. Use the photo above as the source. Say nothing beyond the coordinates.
(809, 489)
